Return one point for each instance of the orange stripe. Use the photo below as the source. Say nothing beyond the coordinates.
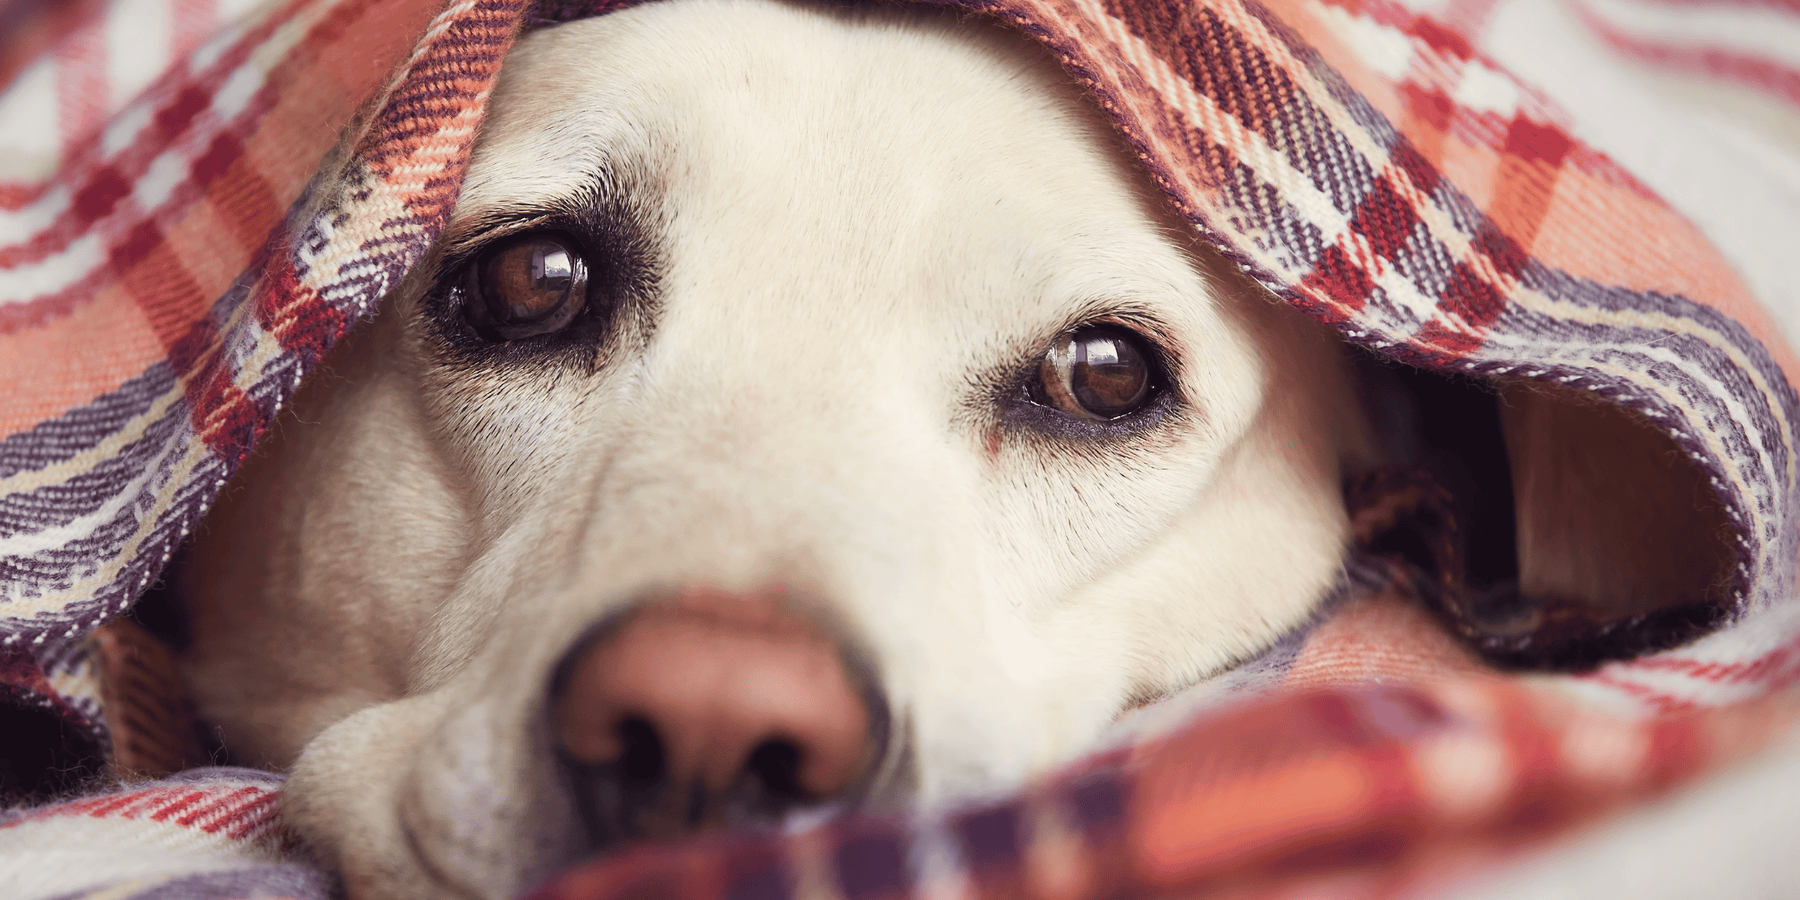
(213, 248)
(244, 202)
(1525, 186)
(73, 360)
(1243, 814)
(1609, 233)
(166, 292)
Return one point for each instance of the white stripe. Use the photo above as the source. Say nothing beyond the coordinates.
(124, 129)
(28, 543)
(77, 854)
(158, 182)
(136, 37)
(30, 138)
(234, 96)
(1486, 90)
(18, 227)
(53, 273)
(1388, 51)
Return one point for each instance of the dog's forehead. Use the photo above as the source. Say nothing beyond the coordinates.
(948, 166)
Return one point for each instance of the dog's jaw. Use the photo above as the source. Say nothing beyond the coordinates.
(851, 280)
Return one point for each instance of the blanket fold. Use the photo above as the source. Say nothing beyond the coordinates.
(183, 238)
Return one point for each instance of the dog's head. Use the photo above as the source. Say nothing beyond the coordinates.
(801, 406)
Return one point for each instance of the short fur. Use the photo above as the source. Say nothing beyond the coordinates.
(842, 240)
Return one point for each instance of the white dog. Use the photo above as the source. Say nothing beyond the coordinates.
(804, 406)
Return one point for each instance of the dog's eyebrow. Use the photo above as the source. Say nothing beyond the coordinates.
(461, 237)
(600, 189)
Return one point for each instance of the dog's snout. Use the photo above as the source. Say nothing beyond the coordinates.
(711, 708)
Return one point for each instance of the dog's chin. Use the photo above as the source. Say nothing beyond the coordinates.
(416, 798)
(436, 795)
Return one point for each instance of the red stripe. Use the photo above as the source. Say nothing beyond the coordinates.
(220, 808)
(1755, 71)
(117, 803)
(177, 805)
(256, 815)
(172, 119)
(1385, 220)
(176, 114)
(1782, 660)
(1441, 38)
(1792, 6)
(1339, 279)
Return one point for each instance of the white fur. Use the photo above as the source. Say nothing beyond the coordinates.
(867, 219)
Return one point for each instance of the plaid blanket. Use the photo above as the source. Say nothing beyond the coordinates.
(199, 197)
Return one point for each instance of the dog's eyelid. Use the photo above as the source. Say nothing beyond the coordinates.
(466, 238)
(465, 243)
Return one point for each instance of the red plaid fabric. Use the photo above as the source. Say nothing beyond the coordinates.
(1346, 793)
(175, 259)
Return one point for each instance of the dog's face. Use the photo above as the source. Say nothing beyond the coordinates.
(855, 338)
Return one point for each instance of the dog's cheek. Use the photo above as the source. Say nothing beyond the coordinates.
(406, 800)
(330, 550)
(488, 809)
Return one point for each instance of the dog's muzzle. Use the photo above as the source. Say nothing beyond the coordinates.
(711, 709)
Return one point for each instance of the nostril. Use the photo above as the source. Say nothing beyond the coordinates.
(776, 765)
(641, 758)
(710, 709)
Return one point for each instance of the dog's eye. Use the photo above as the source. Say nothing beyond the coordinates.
(1096, 373)
(530, 285)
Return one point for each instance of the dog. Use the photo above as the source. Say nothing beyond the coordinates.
(805, 408)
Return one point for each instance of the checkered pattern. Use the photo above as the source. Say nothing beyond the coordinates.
(1347, 793)
(181, 242)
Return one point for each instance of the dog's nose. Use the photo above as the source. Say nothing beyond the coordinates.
(711, 708)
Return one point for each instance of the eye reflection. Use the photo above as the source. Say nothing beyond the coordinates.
(1097, 372)
(529, 285)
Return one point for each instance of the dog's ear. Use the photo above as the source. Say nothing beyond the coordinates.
(1621, 547)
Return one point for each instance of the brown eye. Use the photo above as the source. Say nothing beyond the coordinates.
(1096, 373)
(526, 286)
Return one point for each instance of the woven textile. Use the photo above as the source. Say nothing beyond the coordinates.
(183, 237)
